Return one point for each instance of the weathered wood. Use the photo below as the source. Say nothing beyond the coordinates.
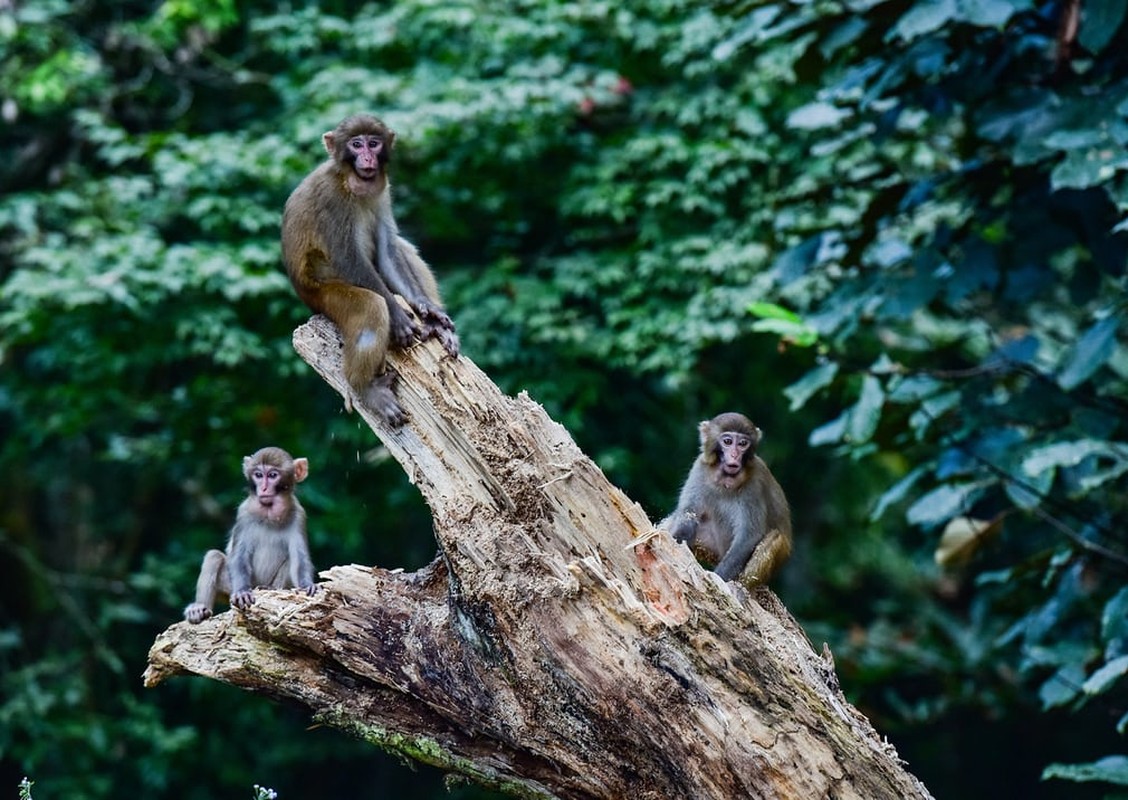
(557, 647)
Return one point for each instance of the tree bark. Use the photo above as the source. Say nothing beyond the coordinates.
(558, 646)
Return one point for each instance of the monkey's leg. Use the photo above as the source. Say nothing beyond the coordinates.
(362, 318)
(212, 580)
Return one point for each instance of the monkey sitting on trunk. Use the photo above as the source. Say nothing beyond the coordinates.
(732, 512)
(347, 260)
(267, 546)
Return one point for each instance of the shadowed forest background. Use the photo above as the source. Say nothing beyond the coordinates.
(891, 232)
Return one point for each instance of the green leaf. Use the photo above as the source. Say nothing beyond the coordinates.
(1103, 679)
(786, 324)
(803, 389)
(986, 13)
(1084, 168)
(1110, 769)
(830, 432)
(896, 493)
(773, 311)
(1114, 618)
(924, 17)
(913, 389)
(1100, 20)
(1062, 687)
(1092, 350)
(816, 115)
(1069, 454)
(943, 503)
(866, 413)
(1030, 492)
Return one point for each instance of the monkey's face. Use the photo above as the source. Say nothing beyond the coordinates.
(733, 450)
(363, 152)
(271, 485)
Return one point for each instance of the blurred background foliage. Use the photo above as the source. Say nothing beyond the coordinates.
(891, 231)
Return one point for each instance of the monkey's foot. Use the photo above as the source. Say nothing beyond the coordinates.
(197, 613)
(381, 398)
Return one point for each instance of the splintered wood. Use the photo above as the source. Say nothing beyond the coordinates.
(558, 646)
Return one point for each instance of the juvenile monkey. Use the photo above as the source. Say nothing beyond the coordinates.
(345, 258)
(732, 512)
(267, 546)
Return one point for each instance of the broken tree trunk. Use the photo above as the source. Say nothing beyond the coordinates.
(555, 648)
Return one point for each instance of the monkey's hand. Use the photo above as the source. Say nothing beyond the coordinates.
(432, 314)
(447, 338)
(402, 329)
(243, 599)
(685, 528)
(311, 590)
(197, 613)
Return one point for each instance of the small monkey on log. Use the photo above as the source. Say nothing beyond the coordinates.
(731, 511)
(267, 546)
(345, 258)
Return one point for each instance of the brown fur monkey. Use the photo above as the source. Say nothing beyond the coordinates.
(267, 546)
(732, 512)
(345, 258)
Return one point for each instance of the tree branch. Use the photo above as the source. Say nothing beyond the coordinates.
(545, 652)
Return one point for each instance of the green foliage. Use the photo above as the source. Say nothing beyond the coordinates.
(893, 233)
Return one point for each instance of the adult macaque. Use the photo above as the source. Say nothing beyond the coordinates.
(267, 546)
(732, 512)
(345, 258)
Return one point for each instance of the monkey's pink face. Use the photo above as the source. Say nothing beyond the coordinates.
(364, 152)
(270, 485)
(734, 451)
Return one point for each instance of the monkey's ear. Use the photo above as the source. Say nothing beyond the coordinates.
(247, 464)
(327, 139)
(703, 429)
(301, 469)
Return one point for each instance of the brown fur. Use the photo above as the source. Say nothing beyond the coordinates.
(345, 258)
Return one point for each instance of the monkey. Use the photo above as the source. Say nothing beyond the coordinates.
(732, 512)
(267, 546)
(345, 258)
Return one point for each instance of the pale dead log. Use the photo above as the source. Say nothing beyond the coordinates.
(552, 650)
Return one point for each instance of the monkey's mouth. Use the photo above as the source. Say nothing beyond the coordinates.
(367, 173)
(731, 469)
(266, 501)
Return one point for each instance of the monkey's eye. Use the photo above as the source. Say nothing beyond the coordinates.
(273, 475)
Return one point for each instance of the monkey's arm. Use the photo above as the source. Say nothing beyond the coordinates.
(409, 275)
(745, 538)
(301, 564)
(239, 567)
